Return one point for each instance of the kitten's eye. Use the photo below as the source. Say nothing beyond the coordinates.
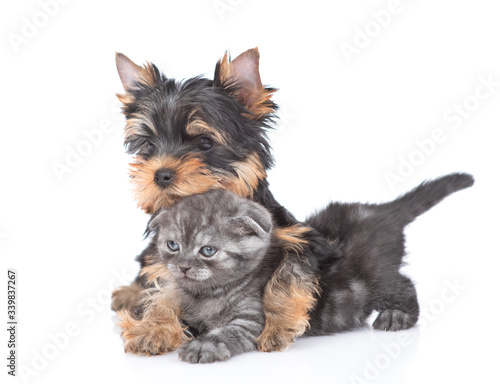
(205, 143)
(173, 246)
(208, 251)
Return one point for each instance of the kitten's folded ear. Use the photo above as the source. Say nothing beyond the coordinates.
(156, 221)
(257, 221)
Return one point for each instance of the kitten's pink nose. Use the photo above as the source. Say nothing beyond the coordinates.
(184, 269)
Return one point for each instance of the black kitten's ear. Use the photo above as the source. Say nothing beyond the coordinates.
(257, 221)
(241, 78)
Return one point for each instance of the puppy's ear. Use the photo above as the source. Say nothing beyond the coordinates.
(256, 222)
(132, 74)
(241, 78)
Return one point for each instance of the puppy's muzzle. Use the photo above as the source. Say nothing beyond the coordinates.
(164, 177)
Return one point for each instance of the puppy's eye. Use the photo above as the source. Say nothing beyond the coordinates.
(208, 251)
(151, 147)
(205, 143)
(173, 246)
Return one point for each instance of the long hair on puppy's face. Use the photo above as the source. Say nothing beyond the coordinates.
(193, 136)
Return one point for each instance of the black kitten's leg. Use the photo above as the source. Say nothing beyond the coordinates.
(397, 305)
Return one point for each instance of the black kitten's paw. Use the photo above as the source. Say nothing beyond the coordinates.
(393, 320)
(204, 351)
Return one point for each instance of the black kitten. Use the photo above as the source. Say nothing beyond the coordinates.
(367, 276)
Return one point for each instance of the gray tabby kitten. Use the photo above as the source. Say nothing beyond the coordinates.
(215, 246)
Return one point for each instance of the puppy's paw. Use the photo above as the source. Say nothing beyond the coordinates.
(204, 351)
(149, 344)
(149, 336)
(275, 341)
(126, 297)
(393, 320)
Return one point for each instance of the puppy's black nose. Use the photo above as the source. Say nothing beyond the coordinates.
(184, 269)
(163, 177)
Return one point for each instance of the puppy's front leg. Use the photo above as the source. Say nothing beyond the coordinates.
(288, 298)
(292, 291)
(159, 329)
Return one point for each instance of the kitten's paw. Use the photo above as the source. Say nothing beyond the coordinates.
(393, 320)
(204, 351)
(150, 336)
(126, 297)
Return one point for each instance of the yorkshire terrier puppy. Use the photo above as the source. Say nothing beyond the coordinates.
(197, 135)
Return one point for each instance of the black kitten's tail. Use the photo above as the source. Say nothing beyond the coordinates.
(427, 195)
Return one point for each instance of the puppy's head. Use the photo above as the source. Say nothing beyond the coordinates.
(196, 135)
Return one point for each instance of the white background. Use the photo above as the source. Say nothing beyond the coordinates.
(347, 121)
